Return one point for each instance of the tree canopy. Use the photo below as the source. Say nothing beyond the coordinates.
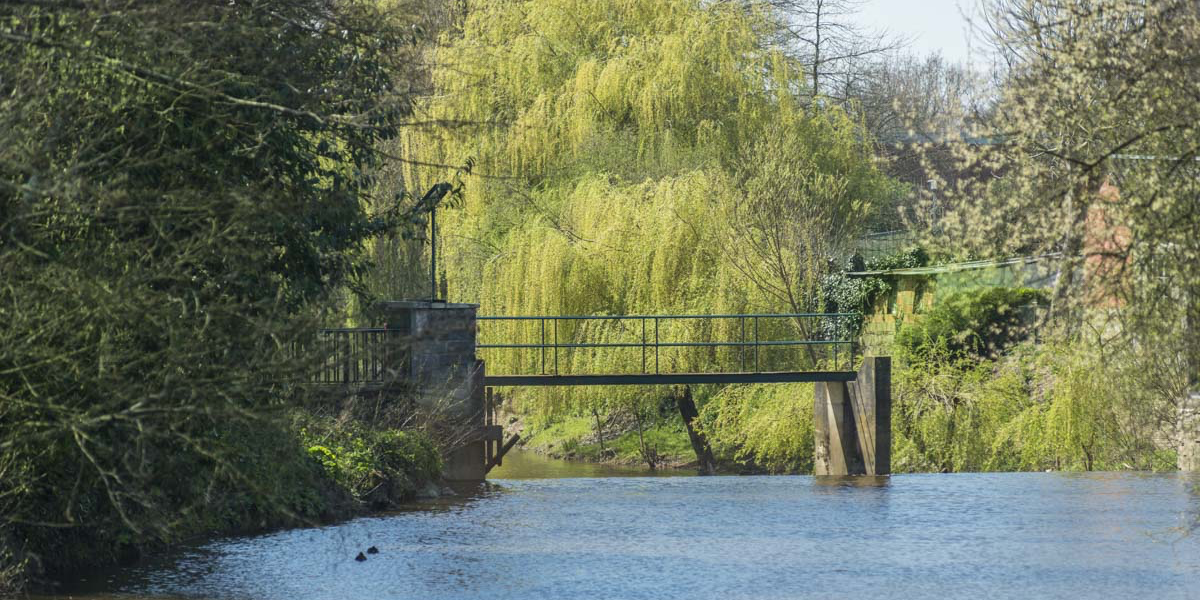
(630, 157)
(182, 186)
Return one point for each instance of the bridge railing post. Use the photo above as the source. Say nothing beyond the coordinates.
(655, 345)
(643, 344)
(742, 348)
(756, 344)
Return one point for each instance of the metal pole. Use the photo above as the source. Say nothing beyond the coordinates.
(556, 346)
(346, 350)
(543, 346)
(755, 344)
(433, 254)
(655, 345)
(742, 348)
(643, 344)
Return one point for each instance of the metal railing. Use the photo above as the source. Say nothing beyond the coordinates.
(555, 337)
(361, 355)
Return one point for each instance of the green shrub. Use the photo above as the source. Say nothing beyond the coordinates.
(377, 466)
(840, 293)
(979, 323)
(1036, 407)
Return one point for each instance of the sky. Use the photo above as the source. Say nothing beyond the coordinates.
(931, 25)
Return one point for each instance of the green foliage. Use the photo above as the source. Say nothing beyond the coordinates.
(630, 149)
(1035, 408)
(979, 323)
(378, 467)
(1098, 169)
(769, 426)
(575, 438)
(840, 293)
(182, 186)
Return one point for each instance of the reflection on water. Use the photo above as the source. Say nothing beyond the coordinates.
(530, 465)
(864, 481)
(1017, 535)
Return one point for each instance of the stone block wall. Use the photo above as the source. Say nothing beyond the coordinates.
(439, 339)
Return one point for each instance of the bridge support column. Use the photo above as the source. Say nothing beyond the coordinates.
(852, 422)
(438, 361)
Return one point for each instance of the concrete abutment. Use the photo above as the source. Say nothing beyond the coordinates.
(852, 422)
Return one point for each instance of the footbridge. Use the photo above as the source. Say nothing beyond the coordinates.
(666, 349)
(445, 354)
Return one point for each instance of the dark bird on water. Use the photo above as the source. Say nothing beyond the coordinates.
(372, 550)
(360, 557)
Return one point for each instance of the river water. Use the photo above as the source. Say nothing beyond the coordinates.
(555, 530)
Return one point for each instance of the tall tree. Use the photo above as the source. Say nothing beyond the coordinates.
(614, 147)
(1100, 118)
(836, 53)
(181, 187)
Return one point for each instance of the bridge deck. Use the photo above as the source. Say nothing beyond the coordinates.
(667, 378)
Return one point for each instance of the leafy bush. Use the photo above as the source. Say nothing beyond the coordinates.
(841, 293)
(979, 323)
(1034, 408)
(182, 189)
(378, 467)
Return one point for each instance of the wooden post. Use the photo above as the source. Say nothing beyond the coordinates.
(852, 422)
(871, 402)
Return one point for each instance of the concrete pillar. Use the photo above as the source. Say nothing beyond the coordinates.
(871, 403)
(438, 365)
(1189, 433)
(834, 431)
(852, 422)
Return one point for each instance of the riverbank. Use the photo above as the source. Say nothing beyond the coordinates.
(612, 439)
(300, 469)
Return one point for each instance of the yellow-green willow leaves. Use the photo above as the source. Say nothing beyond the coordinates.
(619, 152)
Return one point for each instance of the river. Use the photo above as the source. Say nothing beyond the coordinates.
(557, 530)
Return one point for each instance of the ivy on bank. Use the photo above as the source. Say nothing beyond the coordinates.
(842, 293)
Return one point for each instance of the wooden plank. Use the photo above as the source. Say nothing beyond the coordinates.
(499, 458)
(834, 413)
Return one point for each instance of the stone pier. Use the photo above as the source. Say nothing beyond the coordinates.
(444, 374)
(852, 422)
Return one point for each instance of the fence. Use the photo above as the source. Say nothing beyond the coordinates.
(656, 344)
(361, 356)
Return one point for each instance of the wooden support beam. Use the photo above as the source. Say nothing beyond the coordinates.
(499, 458)
(852, 422)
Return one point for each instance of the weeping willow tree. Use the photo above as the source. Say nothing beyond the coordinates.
(628, 157)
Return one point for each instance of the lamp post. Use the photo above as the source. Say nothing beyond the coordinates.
(431, 200)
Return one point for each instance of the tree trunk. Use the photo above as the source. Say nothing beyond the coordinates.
(1188, 458)
(599, 432)
(650, 457)
(706, 464)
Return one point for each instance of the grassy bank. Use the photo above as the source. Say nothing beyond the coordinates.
(295, 470)
(663, 441)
